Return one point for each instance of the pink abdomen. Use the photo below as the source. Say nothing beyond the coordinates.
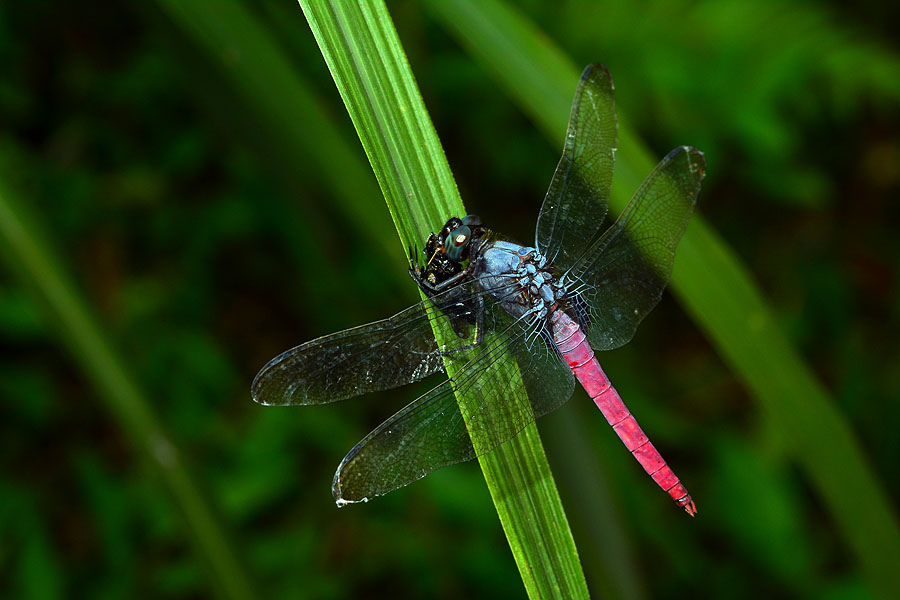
(578, 354)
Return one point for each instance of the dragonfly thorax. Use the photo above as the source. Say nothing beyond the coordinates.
(520, 278)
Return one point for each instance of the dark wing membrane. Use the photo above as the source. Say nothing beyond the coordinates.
(577, 199)
(623, 274)
(425, 435)
(431, 432)
(378, 356)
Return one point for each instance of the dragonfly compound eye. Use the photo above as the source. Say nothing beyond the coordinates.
(456, 242)
(449, 226)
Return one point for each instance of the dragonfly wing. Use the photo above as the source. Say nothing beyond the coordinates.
(578, 197)
(426, 435)
(378, 356)
(517, 353)
(623, 274)
(431, 432)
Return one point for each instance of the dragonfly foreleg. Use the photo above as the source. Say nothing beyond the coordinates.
(478, 337)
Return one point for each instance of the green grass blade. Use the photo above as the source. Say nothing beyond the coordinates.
(370, 69)
(31, 257)
(714, 288)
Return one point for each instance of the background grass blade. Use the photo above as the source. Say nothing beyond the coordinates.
(371, 72)
(714, 288)
(31, 257)
(300, 135)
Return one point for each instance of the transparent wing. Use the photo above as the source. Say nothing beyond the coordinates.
(378, 356)
(431, 433)
(578, 197)
(622, 276)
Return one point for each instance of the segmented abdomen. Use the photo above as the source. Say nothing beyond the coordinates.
(578, 354)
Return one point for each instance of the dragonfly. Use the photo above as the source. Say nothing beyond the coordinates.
(520, 323)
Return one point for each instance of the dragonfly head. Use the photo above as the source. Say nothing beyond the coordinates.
(445, 252)
(457, 234)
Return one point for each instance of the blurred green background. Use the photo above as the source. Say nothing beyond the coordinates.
(200, 222)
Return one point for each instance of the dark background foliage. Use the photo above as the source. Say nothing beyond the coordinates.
(205, 245)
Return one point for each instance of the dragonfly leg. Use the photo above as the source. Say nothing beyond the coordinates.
(432, 289)
(455, 279)
(478, 338)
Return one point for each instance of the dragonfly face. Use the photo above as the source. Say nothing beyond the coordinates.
(540, 312)
(445, 252)
(443, 269)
